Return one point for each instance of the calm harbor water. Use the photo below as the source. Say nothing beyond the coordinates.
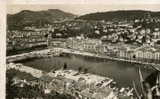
(122, 72)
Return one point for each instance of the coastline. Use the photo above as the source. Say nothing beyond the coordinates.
(44, 53)
(91, 80)
(153, 65)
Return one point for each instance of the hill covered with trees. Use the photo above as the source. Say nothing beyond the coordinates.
(37, 18)
(120, 15)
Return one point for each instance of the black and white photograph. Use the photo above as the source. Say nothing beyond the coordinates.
(83, 51)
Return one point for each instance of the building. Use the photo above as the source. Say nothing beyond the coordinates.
(85, 44)
(92, 45)
(144, 53)
(57, 42)
(25, 39)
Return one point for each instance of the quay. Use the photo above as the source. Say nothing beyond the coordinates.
(88, 54)
(85, 84)
(153, 65)
(47, 52)
(29, 55)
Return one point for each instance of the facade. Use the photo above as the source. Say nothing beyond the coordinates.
(85, 44)
(25, 39)
(75, 43)
(57, 42)
(143, 53)
(92, 45)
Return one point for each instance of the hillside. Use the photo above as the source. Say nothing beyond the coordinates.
(120, 15)
(38, 18)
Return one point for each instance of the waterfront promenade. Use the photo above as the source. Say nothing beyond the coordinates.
(33, 54)
(76, 52)
(43, 53)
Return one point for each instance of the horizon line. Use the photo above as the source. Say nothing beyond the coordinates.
(86, 13)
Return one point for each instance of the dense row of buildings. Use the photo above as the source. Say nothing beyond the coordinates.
(140, 31)
(78, 43)
(21, 40)
(121, 39)
(142, 53)
(145, 52)
(25, 39)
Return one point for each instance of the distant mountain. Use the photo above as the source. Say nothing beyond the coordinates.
(120, 15)
(27, 17)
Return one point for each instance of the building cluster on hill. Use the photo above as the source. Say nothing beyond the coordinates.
(146, 52)
(25, 39)
(138, 39)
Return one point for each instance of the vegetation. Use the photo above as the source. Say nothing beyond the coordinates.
(28, 91)
(36, 18)
(119, 15)
(149, 87)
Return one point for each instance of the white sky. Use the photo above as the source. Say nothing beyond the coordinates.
(84, 1)
(81, 9)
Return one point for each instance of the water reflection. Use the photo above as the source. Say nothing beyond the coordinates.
(122, 72)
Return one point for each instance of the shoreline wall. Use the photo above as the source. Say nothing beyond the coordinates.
(43, 53)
